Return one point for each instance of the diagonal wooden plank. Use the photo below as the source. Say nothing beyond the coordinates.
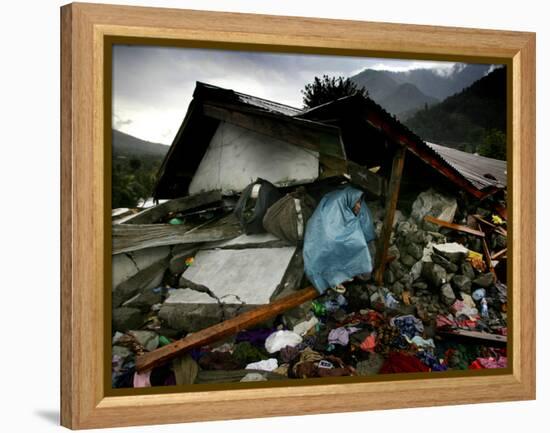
(229, 327)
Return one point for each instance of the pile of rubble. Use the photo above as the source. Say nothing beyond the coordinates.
(441, 305)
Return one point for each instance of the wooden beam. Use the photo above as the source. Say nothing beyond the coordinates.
(224, 329)
(416, 146)
(483, 337)
(132, 237)
(457, 227)
(391, 205)
(499, 254)
(487, 254)
(155, 213)
(369, 181)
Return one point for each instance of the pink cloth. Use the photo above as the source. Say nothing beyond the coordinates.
(500, 362)
(142, 380)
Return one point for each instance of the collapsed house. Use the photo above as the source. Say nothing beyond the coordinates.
(188, 263)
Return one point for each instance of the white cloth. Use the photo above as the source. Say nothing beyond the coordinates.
(303, 327)
(265, 365)
(280, 339)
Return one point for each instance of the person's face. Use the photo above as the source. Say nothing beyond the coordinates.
(357, 207)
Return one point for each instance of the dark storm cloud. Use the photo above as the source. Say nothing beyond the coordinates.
(152, 86)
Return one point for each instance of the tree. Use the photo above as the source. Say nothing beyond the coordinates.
(493, 144)
(327, 89)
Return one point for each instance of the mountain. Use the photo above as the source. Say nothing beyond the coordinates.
(130, 146)
(424, 86)
(473, 119)
(135, 166)
(380, 84)
(405, 99)
(441, 83)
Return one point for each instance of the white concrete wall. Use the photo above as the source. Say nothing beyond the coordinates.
(237, 156)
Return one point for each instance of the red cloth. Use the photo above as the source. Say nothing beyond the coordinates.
(403, 363)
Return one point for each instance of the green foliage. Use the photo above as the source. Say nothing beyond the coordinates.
(327, 89)
(470, 119)
(133, 179)
(493, 144)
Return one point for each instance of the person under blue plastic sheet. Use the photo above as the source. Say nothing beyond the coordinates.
(336, 240)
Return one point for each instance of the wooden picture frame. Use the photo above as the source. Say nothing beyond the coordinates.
(85, 222)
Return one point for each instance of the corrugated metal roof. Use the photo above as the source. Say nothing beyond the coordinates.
(254, 101)
(474, 167)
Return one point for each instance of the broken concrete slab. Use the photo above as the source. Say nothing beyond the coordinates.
(190, 317)
(146, 279)
(127, 265)
(260, 240)
(177, 262)
(144, 301)
(252, 275)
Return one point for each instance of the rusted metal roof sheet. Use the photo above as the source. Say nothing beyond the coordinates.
(481, 171)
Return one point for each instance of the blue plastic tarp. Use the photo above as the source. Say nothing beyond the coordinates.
(335, 241)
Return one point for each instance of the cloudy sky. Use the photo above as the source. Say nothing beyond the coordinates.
(152, 86)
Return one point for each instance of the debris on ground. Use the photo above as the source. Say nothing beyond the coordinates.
(299, 244)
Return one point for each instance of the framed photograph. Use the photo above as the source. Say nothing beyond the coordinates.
(266, 216)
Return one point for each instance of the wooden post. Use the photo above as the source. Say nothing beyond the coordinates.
(391, 205)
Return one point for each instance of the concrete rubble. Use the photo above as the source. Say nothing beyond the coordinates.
(436, 286)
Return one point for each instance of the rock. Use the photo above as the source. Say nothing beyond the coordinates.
(407, 260)
(468, 270)
(393, 251)
(447, 294)
(148, 339)
(453, 251)
(484, 280)
(125, 318)
(420, 285)
(404, 228)
(397, 269)
(433, 203)
(389, 278)
(416, 270)
(415, 250)
(444, 263)
(397, 288)
(190, 317)
(407, 281)
(434, 274)
(462, 283)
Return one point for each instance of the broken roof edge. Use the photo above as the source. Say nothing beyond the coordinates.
(413, 142)
(202, 89)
